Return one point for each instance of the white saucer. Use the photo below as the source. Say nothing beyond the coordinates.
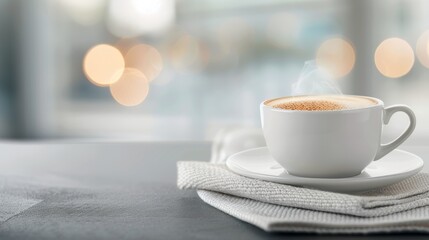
(396, 166)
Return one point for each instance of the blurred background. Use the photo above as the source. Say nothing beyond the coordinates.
(167, 70)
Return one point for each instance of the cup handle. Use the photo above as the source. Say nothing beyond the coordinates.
(387, 114)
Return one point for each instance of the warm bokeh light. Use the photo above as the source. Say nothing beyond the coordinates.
(394, 57)
(125, 44)
(422, 49)
(184, 51)
(337, 56)
(204, 54)
(103, 65)
(131, 18)
(132, 89)
(146, 59)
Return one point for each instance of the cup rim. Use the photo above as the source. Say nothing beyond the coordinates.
(379, 103)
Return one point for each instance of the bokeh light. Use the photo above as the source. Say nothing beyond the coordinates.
(204, 54)
(131, 18)
(103, 65)
(337, 56)
(125, 44)
(146, 59)
(394, 57)
(184, 51)
(422, 49)
(131, 89)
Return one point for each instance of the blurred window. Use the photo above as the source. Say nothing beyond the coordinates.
(219, 60)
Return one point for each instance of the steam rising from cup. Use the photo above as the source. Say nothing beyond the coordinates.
(314, 80)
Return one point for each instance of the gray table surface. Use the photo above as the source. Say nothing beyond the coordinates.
(124, 191)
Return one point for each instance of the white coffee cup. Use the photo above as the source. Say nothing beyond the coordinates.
(332, 143)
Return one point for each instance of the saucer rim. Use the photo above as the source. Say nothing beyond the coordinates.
(355, 178)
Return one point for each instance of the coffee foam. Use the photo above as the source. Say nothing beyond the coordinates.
(321, 103)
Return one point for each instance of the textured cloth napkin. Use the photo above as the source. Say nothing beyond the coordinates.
(403, 206)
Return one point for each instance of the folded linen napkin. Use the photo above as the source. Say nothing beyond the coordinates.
(403, 206)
